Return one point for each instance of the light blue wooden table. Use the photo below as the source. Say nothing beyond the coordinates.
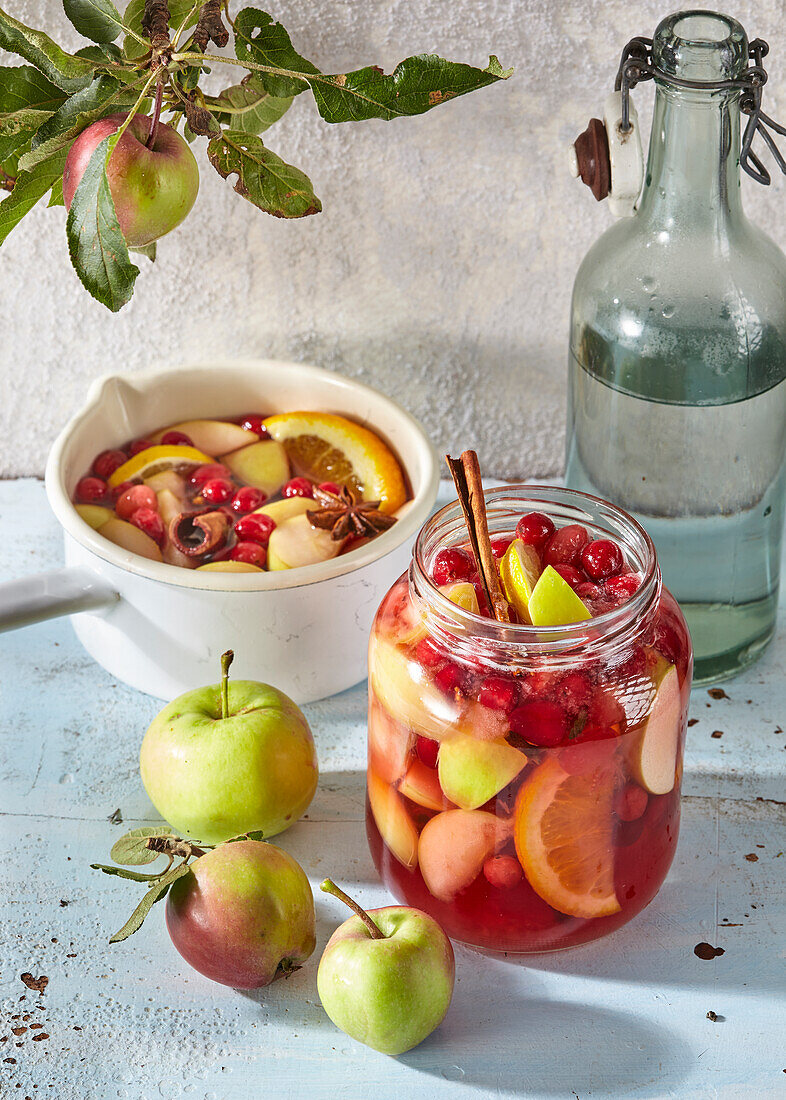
(626, 1017)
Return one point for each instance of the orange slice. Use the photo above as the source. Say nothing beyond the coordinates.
(326, 447)
(154, 460)
(564, 838)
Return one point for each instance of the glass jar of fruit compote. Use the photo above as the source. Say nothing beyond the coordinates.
(523, 782)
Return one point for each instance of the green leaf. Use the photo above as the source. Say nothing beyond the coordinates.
(248, 107)
(104, 96)
(56, 194)
(416, 84)
(130, 847)
(123, 872)
(98, 20)
(262, 177)
(107, 52)
(256, 834)
(258, 38)
(132, 19)
(27, 100)
(29, 189)
(154, 894)
(95, 243)
(67, 72)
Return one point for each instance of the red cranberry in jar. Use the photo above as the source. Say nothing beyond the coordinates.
(535, 529)
(601, 558)
(452, 564)
(565, 545)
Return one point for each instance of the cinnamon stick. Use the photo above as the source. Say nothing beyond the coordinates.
(469, 487)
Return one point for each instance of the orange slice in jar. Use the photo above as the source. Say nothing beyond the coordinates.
(564, 838)
(154, 460)
(326, 447)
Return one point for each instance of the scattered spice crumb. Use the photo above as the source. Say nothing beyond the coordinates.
(12, 1062)
(18, 1030)
(759, 845)
(715, 1017)
(717, 693)
(40, 1037)
(717, 733)
(39, 984)
(116, 817)
(72, 955)
(63, 902)
(752, 857)
(706, 951)
(692, 721)
(35, 1027)
(77, 1027)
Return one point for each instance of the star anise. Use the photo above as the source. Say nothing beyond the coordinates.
(346, 513)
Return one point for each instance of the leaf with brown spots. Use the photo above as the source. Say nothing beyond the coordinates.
(262, 177)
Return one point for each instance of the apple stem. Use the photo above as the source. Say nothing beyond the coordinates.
(330, 888)
(151, 138)
(226, 660)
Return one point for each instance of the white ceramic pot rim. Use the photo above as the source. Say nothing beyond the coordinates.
(412, 516)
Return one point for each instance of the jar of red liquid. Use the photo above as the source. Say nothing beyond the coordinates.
(523, 782)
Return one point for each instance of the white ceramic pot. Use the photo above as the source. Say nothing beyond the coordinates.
(161, 628)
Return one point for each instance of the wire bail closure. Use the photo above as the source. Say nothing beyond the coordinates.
(636, 65)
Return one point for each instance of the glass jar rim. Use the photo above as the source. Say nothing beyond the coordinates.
(555, 501)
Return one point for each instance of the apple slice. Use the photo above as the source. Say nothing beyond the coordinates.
(654, 755)
(296, 543)
(173, 556)
(264, 465)
(214, 437)
(389, 744)
(94, 514)
(421, 785)
(453, 847)
(131, 538)
(554, 603)
(394, 823)
(282, 510)
(471, 772)
(404, 690)
(169, 480)
(169, 506)
(519, 571)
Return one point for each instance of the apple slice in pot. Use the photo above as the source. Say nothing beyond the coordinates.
(295, 543)
(214, 437)
(130, 538)
(264, 465)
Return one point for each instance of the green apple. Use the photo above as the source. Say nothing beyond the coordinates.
(471, 771)
(654, 748)
(554, 603)
(264, 465)
(244, 915)
(228, 759)
(386, 977)
(282, 510)
(94, 514)
(295, 543)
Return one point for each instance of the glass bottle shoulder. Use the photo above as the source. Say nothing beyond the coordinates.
(682, 313)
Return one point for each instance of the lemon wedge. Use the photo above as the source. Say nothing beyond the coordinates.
(519, 571)
(153, 460)
(463, 594)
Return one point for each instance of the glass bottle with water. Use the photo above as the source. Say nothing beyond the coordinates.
(677, 400)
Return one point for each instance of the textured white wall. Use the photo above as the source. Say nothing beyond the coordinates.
(441, 268)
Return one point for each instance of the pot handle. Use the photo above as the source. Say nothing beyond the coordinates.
(49, 595)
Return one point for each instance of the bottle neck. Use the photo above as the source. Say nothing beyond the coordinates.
(693, 168)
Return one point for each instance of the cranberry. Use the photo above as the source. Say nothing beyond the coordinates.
(254, 422)
(606, 710)
(427, 750)
(499, 546)
(330, 487)
(248, 499)
(123, 487)
(574, 692)
(255, 528)
(91, 490)
(565, 545)
(177, 439)
(298, 487)
(622, 587)
(138, 445)
(138, 496)
(592, 733)
(503, 871)
(535, 529)
(499, 693)
(601, 558)
(149, 521)
(570, 574)
(207, 472)
(249, 552)
(105, 464)
(218, 490)
(451, 564)
(630, 802)
(587, 590)
(428, 655)
(451, 678)
(540, 723)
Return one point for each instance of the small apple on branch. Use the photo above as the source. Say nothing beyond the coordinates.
(73, 126)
